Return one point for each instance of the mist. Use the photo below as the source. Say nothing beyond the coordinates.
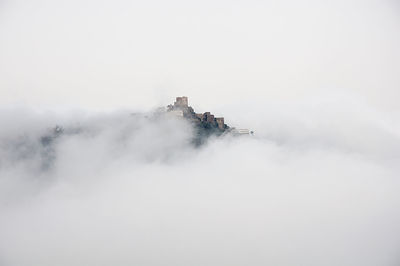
(315, 185)
(91, 174)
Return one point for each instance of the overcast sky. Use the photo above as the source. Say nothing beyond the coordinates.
(139, 54)
(317, 185)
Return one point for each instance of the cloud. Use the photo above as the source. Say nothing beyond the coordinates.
(316, 185)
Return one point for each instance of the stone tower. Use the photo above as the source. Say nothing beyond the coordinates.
(181, 102)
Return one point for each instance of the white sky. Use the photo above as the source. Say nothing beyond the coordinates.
(139, 54)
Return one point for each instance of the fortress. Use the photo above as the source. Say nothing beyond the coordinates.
(205, 120)
(205, 125)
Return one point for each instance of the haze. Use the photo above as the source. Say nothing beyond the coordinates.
(317, 184)
(108, 54)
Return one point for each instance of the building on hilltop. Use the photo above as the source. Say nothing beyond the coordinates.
(205, 124)
(206, 120)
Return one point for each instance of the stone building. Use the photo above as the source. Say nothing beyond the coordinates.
(181, 102)
(205, 124)
(220, 122)
(206, 120)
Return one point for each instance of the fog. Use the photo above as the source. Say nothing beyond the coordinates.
(315, 185)
(89, 175)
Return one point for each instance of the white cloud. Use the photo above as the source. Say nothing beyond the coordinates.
(313, 187)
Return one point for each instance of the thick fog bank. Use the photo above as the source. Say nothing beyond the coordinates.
(316, 185)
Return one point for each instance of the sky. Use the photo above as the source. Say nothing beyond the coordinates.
(101, 55)
(317, 183)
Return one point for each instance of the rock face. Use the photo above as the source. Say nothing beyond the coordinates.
(206, 124)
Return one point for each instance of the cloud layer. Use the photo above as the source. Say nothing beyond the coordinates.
(315, 186)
